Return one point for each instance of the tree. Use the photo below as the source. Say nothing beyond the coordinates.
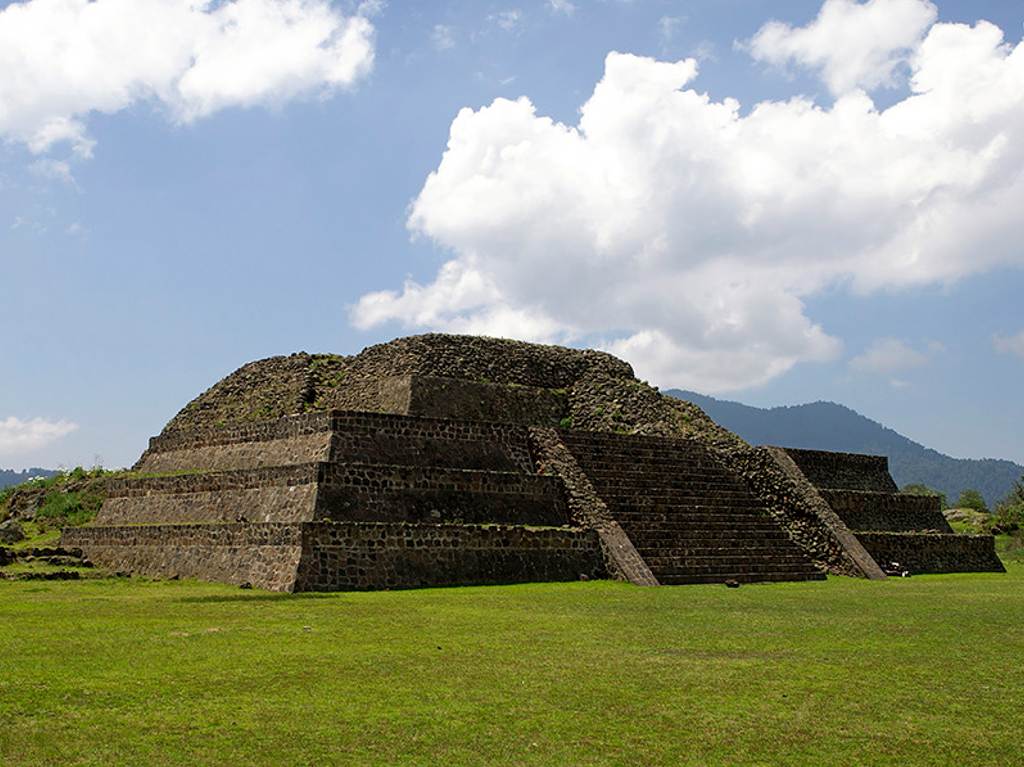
(1009, 514)
(919, 489)
(1016, 495)
(972, 499)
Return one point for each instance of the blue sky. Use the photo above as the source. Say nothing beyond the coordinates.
(160, 226)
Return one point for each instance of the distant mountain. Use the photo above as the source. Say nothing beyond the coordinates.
(828, 426)
(12, 477)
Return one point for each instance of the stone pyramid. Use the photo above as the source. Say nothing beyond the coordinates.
(445, 460)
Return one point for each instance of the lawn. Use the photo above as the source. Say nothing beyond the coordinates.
(921, 671)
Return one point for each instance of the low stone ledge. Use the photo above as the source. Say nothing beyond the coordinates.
(934, 552)
(199, 482)
(348, 555)
(344, 556)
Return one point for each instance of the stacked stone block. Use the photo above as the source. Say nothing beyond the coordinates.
(892, 526)
(360, 500)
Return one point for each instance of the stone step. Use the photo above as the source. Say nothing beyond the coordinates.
(703, 539)
(685, 550)
(735, 561)
(626, 442)
(617, 483)
(711, 566)
(669, 579)
(692, 515)
(655, 462)
(692, 525)
(638, 503)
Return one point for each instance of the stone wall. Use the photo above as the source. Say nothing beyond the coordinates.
(892, 512)
(844, 471)
(380, 438)
(924, 553)
(324, 556)
(273, 503)
(364, 437)
(483, 401)
(413, 493)
(289, 440)
(276, 494)
(393, 556)
(265, 555)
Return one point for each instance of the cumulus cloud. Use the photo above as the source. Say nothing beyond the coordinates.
(850, 44)
(686, 235)
(18, 436)
(888, 355)
(1013, 344)
(64, 59)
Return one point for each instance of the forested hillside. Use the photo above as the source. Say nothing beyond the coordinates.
(12, 477)
(828, 426)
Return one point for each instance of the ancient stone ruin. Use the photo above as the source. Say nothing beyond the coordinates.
(443, 460)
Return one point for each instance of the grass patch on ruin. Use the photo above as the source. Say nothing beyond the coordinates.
(922, 671)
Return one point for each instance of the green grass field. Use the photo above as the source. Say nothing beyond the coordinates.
(922, 671)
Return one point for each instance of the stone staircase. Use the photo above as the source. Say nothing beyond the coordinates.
(690, 519)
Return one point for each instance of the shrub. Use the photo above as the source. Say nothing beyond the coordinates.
(972, 499)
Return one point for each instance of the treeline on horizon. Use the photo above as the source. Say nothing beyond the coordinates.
(11, 477)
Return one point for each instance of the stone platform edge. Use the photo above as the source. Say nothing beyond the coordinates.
(934, 552)
(335, 556)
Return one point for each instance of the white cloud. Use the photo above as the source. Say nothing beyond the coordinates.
(508, 19)
(687, 235)
(442, 37)
(561, 6)
(851, 44)
(57, 170)
(18, 436)
(887, 356)
(668, 26)
(64, 59)
(1010, 344)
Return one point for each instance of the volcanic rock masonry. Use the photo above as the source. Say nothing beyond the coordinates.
(445, 460)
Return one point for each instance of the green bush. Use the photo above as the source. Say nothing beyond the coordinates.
(61, 509)
(1009, 513)
(972, 499)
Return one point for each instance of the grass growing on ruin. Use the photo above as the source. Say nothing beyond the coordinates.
(918, 671)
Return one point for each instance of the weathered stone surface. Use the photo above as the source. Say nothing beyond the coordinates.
(844, 471)
(433, 459)
(11, 531)
(934, 553)
(350, 555)
(891, 526)
(894, 512)
(588, 510)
